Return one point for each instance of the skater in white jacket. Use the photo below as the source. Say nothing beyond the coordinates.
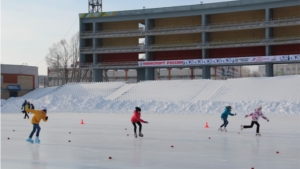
(255, 116)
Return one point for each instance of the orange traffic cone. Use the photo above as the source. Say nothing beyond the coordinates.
(81, 121)
(206, 126)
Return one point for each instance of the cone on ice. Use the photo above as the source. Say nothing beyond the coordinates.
(81, 121)
(206, 126)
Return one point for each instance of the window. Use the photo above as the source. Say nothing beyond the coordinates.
(1, 79)
(288, 69)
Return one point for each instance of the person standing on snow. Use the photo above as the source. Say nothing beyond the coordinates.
(24, 107)
(136, 119)
(38, 116)
(31, 106)
(224, 117)
(255, 116)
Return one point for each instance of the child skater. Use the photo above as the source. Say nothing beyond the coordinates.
(38, 115)
(255, 116)
(136, 119)
(224, 117)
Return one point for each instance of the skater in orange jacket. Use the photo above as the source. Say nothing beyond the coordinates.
(38, 116)
(136, 119)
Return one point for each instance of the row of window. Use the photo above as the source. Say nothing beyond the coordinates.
(289, 69)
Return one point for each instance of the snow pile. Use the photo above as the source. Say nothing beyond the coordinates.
(277, 95)
(40, 92)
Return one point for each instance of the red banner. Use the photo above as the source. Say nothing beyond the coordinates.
(161, 63)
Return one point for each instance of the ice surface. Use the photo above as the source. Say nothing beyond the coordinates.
(104, 135)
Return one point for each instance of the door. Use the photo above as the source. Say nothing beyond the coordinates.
(13, 94)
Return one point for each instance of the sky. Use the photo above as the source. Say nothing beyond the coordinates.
(29, 28)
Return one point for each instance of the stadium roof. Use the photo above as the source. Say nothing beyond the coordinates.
(179, 8)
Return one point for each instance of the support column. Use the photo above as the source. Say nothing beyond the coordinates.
(205, 54)
(269, 70)
(81, 42)
(169, 73)
(149, 40)
(140, 74)
(192, 73)
(269, 34)
(126, 74)
(97, 75)
(95, 59)
(268, 31)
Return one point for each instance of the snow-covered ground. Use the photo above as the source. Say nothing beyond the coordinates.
(105, 135)
(277, 95)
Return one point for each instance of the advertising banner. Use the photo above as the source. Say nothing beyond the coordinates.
(252, 59)
(161, 63)
(208, 61)
(294, 57)
(283, 57)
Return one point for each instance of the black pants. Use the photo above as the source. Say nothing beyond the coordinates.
(225, 123)
(26, 115)
(140, 126)
(252, 123)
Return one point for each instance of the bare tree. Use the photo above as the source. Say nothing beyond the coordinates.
(245, 71)
(255, 73)
(74, 49)
(105, 77)
(59, 57)
(63, 60)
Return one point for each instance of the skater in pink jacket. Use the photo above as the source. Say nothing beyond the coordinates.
(255, 116)
(136, 119)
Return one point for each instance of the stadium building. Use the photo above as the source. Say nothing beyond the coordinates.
(197, 39)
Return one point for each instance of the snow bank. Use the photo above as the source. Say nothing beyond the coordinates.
(278, 96)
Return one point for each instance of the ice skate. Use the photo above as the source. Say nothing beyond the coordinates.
(225, 129)
(37, 140)
(242, 127)
(29, 140)
(257, 134)
(135, 135)
(141, 135)
(220, 129)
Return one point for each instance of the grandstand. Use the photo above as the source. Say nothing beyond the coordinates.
(281, 95)
(111, 40)
(231, 90)
(88, 89)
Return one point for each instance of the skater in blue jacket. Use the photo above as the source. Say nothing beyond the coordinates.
(224, 117)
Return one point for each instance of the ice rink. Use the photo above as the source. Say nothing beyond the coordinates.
(105, 135)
